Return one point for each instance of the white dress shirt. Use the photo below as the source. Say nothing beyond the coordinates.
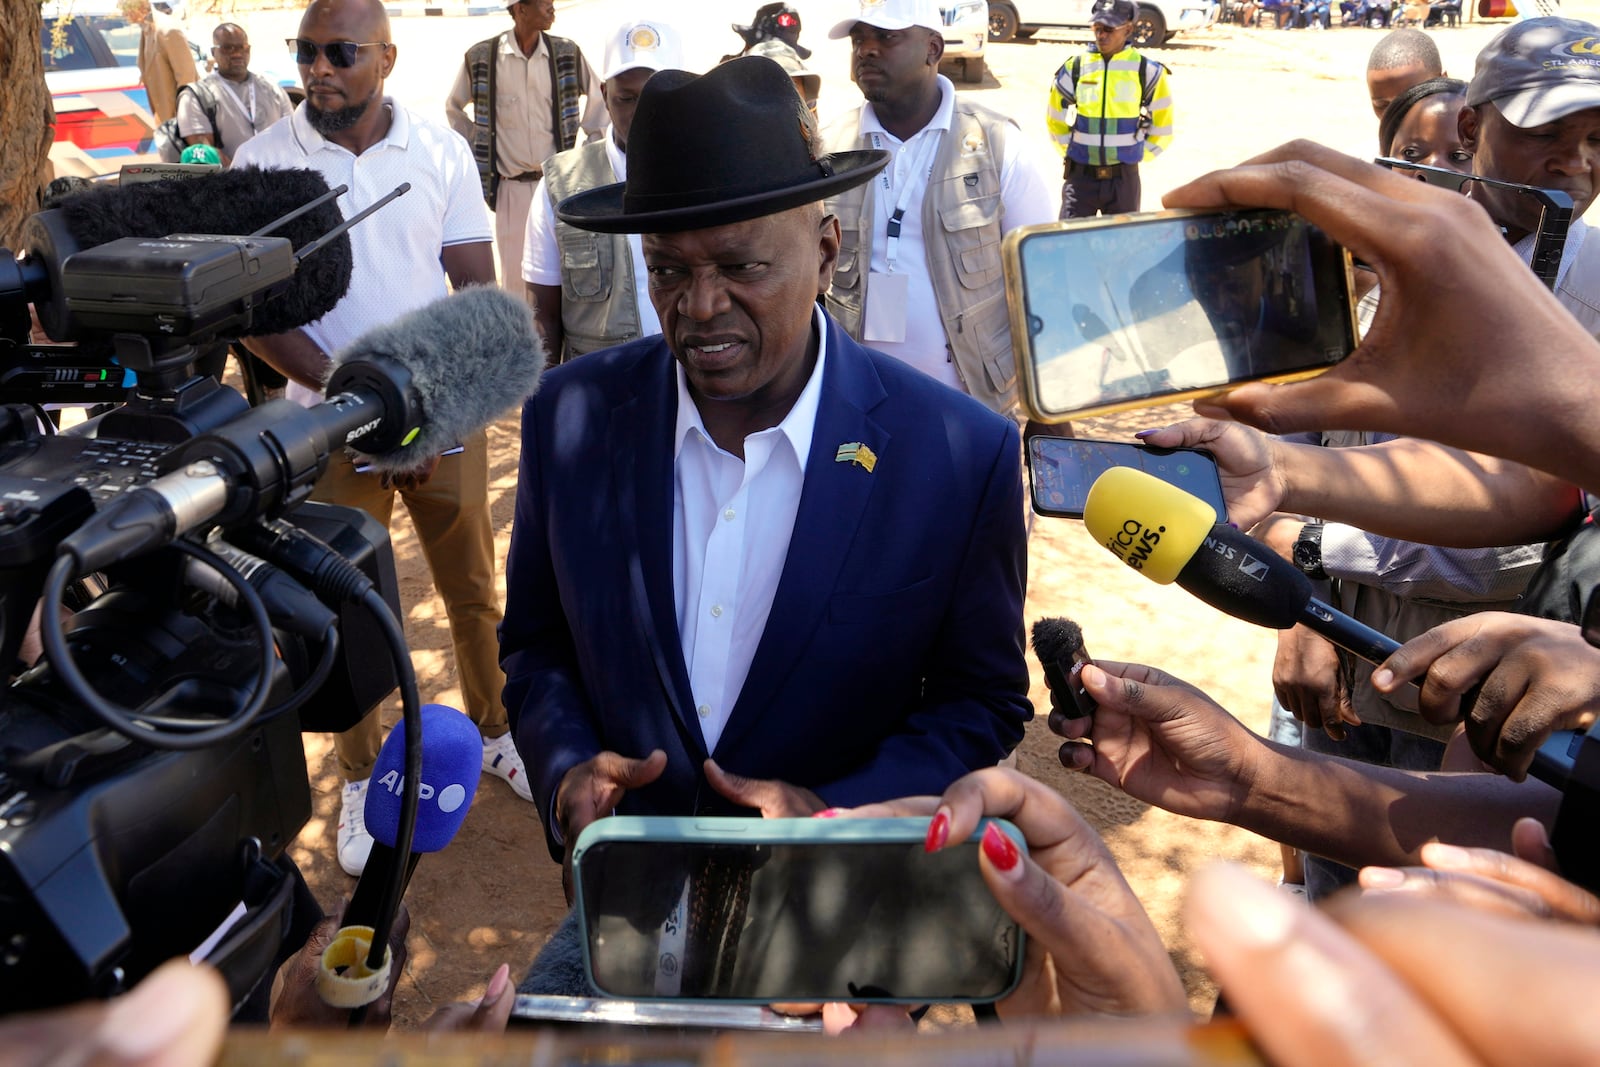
(731, 525)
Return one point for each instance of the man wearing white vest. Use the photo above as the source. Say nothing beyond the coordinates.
(919, 270)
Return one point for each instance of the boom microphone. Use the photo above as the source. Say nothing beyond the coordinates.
(452, 762)
(234, 202)
(434, 376)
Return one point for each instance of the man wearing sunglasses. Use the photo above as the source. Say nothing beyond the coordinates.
(353, 135)
(530, 92)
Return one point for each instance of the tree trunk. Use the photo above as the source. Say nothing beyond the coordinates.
(26, 117)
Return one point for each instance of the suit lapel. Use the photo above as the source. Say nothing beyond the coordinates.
(640, 440)
(832, 502)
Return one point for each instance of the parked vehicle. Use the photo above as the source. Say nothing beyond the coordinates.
(966, 31)
(1159, 20)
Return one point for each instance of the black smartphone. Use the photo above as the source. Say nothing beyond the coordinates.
(1121, 312)
(1063, 468)
(1555, 210)
(797, 910)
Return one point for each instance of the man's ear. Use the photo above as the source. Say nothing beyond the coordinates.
(828, 241)
(935, 49)
(1467, 128)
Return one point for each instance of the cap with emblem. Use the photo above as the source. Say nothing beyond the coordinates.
(642, 43)
(892, 15)
(1539, 71)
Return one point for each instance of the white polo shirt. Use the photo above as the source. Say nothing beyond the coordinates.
(541, 256)
(731, 524)
(397, 266)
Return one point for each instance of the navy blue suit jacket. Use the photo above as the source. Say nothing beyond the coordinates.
(892, 661)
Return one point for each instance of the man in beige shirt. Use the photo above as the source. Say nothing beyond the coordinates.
(530, 92)
(165, 61)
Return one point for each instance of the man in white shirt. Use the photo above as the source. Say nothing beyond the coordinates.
(530, 93)
(590, 291)
(919, 271)
(355, 136)
(754, 565)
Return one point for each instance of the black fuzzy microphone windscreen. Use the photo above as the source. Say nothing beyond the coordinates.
(233, 203)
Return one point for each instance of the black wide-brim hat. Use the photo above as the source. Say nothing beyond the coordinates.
(713, 149)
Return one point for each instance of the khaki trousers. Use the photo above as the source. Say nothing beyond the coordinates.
(451, 516)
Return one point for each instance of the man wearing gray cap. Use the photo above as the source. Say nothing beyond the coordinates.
(1533, 117)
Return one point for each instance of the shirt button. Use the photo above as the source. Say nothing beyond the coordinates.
(728, 514)
(716, 611)
(704, 710)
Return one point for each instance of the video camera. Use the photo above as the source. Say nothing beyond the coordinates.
(151, 771)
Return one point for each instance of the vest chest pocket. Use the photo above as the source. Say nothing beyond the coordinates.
(973, 235)
(586, 267)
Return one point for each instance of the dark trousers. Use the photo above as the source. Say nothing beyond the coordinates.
(1085, 193)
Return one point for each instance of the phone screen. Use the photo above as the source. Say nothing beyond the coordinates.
(1169, 306)
(1063, 469)
(793, 921)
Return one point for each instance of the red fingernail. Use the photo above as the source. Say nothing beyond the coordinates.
(827, 813)
(1001, 850)
(938, 833)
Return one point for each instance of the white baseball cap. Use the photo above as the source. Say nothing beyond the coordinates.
(893, 15)
(642, 43)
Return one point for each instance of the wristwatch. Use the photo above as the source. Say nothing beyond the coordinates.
(1308, 551)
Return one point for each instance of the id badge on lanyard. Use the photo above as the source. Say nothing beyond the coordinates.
(888, 293)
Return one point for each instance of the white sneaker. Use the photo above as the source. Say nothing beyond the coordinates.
(500, 759)
(355, 843)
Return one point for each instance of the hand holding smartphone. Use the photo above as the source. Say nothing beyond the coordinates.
(796, 910)
(1062, 469)
(1114, 313)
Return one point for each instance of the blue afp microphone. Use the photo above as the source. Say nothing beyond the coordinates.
(452, 761)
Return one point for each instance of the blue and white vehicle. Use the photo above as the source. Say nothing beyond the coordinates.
(91, 65)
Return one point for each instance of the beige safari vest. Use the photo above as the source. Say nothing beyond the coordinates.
(597, 301)
(962, 205)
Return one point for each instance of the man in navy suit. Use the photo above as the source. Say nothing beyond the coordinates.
(754, 565)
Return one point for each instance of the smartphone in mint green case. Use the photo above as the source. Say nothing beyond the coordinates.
(767, 910)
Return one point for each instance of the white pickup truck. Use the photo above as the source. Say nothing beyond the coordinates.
(1159, 20)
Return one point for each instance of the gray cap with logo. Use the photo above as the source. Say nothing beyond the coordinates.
(1539, 71)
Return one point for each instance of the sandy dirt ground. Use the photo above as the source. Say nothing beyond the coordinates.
(494, 895)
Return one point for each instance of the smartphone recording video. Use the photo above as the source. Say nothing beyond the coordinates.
(1063, 469)
(1115, 313)
(797, 910)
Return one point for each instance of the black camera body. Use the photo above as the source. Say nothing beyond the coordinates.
(124, 843)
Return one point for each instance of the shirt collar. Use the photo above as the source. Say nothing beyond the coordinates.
(940, 121)
(619, 161)
(798, 426)
(508, 46)
(399, 133)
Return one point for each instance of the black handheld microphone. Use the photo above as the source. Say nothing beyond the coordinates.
(400, 392)
(1059, 645)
